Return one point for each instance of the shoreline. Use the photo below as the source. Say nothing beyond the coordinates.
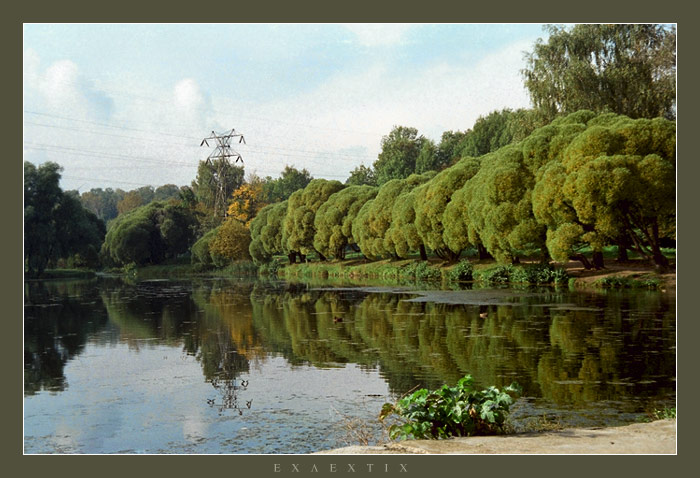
(652, 438)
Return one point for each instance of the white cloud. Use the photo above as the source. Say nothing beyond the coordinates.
(61, 88)
(379, 34)
(329, 130)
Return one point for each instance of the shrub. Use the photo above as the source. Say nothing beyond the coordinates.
(494, 275)
(538, 274)
(463, 271)
(230, 243)
(200, 252)
(426, 273)
(451, 411)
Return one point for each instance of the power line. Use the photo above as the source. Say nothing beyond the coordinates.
(121, 157)
(187, 138)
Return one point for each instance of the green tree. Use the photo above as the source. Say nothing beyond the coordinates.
(361, 175)
(375, 217)
(621, 68)
(102, 202)
(230, 243)
(335, 217)
(215, 175)
(431, 201)
(615, 179)
(200, 251)
(257, 248)
(279, 189)
(273, 234)
(449, 149)
(299, 228)
(56, 226)
(400, 150)
(150, 234)
(402, 230)
(500, 209)
(165, 192)
(427, 159)
(498, 129)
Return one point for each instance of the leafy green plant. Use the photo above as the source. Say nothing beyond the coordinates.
(451, 411)
(426, 273)
(538, 274)
(664, 414)
(494, 275)
(627, 282)
(463, 271)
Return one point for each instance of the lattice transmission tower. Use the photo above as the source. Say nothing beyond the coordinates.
(219, 162)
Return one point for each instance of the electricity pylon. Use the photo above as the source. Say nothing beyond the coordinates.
(222, 153)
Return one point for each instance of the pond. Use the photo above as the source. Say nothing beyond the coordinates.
(245, 366)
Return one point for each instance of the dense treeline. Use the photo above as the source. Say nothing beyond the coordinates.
(586, 180)
(56, 226)
(592, 164)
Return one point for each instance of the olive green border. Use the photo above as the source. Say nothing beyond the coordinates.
(323, 11)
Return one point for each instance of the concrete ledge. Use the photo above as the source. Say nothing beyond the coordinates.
(657, 437)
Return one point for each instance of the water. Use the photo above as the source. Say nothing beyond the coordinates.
(219, 366)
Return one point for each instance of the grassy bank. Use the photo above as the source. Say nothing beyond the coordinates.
(633, 274)
(427, 271)
(65, 274)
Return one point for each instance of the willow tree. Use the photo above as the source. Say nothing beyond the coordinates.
(374, 218)
(431, 201)
(500, 207)
(272, 234)
(402, 230)
(616, 179)
(335, 217)
(303, 204)
(256, 248)
(622, 68)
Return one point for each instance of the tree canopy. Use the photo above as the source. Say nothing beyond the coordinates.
(150, 234)
(627, 69)
(335, 217)
(279, 189)
(400, 150)
(56, 225)
(299, 228)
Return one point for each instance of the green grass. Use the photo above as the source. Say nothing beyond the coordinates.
(179, 269)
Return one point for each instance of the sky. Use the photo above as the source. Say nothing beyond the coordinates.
(127, 105)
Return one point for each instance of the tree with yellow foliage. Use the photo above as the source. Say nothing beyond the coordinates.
(246, 201)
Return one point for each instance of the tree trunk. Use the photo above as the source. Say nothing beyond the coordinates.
(545, 256)
(622, 251)
(423, 254)
(598, 262)
(321, 257)
(582, 259)
(483, 253)
(454, 256)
